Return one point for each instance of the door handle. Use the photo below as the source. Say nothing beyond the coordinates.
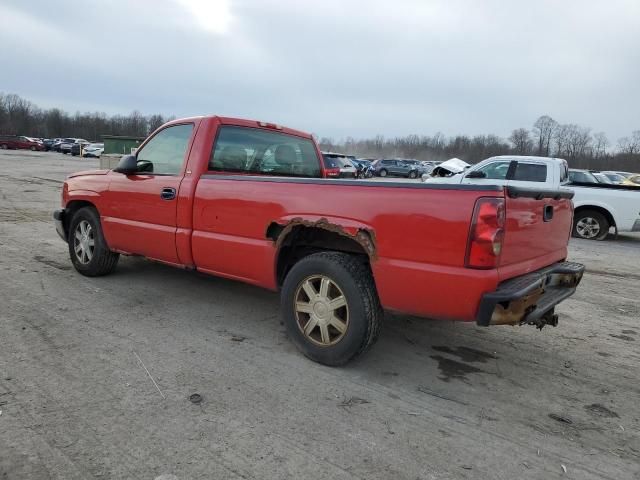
(168, 193)
(547, 213)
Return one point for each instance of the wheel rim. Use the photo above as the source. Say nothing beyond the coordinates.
(321, 310)
(588, 227)
(412, 175)
(84, 242)
(383, 173)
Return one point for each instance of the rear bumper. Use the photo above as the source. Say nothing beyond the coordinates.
(58, 218)
(530, 298)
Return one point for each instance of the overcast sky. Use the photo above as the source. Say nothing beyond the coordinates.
(333, 67)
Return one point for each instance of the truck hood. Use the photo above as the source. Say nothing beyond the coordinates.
(453, 166)
(447, 172)
(88, 172)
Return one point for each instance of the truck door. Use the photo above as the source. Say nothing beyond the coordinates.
(141, 210)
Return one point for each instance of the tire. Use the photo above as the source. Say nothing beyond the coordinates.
(590, 225)
(64, 152)
(4, 146)
(349, 279)
(33, 149)
(413, 174)
(98, 261)
(383, 172)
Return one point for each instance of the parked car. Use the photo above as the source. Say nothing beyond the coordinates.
(616, 177)
(93, 150)
(15, 142)
(347, 169)
(48, 143)
(362, 167)
(57, 146)
(598, 206)
(338, 253)
(632, 181)
(602, 178)
(398, 168)
(78, 147)
(65, 147)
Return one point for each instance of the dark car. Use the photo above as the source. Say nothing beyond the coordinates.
(57, 145)
(47, 143)
(75, 147)
(398, 167)
(65, 147)
(15, 142)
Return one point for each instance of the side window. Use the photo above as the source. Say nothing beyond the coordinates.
(495, 170)
(164, 153)
(564, 172)
(262, 152)
(531, 172)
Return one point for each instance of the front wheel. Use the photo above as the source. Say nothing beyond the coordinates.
(590, 225)
(413, 174)
(331, 308)
(33, 149)
(88, 249)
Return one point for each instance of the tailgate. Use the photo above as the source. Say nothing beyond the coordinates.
(538, 224)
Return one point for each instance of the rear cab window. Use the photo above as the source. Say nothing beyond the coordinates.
(255, 151)
(530, 172)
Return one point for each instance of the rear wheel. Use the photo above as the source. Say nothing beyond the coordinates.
(590, 225)
(88, 249)
(33, 149)
(383, 173)
(4, 146)
(331, 308)
(413, 174)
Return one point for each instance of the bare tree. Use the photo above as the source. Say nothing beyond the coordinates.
(521, 140)
(545, 129)
(600, 144)
(630, 145)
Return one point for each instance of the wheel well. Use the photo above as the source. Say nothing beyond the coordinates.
(298, 241)
(71, 209)
(601, 210)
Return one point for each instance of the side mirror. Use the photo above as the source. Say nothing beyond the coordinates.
(476, 174)
(127, 165)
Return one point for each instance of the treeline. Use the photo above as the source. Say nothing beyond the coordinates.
(578, 145)
(22, 117)
(547, 137)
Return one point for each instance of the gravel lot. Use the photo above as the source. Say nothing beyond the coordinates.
(432, 400)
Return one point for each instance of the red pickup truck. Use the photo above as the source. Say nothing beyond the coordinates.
(250, 201)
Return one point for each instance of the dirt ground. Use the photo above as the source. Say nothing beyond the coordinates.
(432, 399)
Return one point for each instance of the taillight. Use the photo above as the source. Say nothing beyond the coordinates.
(486, 234)
(332, 172)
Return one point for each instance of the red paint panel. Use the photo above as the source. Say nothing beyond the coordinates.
(420, 249)
(531, 243)
(434, 291)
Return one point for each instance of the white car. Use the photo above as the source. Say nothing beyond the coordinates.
(598, 207)
(341, 161)
(93, 150)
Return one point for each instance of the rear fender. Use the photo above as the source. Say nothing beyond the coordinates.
(360, 232)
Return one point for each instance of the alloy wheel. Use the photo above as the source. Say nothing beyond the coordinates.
(84, 242)
(321, 310)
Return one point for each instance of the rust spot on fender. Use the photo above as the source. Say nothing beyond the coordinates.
(364, 237)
